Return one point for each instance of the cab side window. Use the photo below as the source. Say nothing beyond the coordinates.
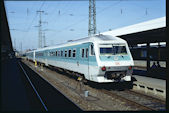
(92, 50)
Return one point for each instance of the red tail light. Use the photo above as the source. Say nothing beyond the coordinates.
(103, 68)
(130, 67)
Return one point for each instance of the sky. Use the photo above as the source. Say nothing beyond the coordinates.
(68, 20)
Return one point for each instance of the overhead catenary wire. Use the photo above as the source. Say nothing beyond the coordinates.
(57, 8)
(76, 23)
(62, 13)
(86, 18)
(29, 27)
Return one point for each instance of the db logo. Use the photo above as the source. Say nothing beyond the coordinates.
(116, 58)
(117, 63)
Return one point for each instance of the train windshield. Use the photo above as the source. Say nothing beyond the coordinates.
(113, 50)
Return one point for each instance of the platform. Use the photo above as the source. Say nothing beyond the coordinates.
(156, 87)
(13, 92)
(18, 95)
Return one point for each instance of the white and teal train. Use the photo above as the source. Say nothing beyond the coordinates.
(101, 58)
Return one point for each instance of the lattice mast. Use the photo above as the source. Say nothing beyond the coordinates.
(40, 29)
(92, 18)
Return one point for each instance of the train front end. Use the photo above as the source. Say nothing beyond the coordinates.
(115, 62)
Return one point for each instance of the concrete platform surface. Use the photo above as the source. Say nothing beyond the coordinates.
(18, 95)
(153, 81)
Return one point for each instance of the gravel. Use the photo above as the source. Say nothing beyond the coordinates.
(74, 91)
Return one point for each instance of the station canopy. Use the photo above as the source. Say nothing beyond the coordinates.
(6, 43)
(145, 32)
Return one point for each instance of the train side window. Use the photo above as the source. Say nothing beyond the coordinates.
(56, 53)
(69, 55)
(65, 53)
(86, 52)
(61, 53)
(74, 53)
(92, 50)
(82, 53)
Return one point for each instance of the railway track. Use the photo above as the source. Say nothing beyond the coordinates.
(131, 100)
(137, 100)
(154, 103)
(141, 101)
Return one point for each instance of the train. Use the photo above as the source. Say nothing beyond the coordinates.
(99, 58)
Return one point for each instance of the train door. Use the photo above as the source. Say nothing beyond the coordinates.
(87, 56)
(83, 63)
(88, 50)
(91, 60)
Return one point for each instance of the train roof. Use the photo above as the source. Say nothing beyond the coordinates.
(100, 38)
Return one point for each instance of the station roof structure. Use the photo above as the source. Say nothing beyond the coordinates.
(145, 32)
(6, 43)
